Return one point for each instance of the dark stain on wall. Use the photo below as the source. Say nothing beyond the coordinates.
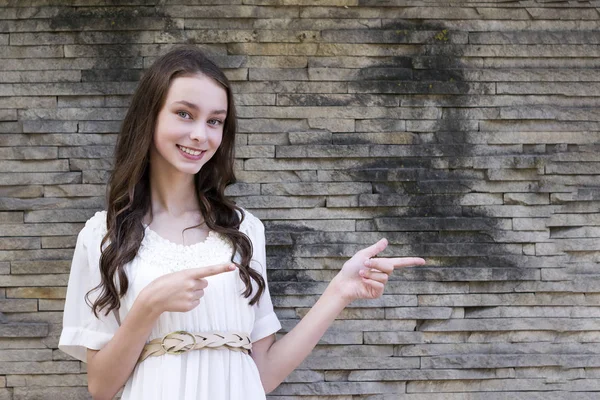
(422, 206)
(112, 38)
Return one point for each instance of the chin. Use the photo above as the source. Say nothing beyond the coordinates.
(190, 166)
(191, 171)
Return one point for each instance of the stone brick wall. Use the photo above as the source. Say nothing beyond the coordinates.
(466, 132)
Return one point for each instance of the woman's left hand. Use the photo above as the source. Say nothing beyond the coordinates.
(364, 277)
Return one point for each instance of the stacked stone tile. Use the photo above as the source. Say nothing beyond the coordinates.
(465, 132)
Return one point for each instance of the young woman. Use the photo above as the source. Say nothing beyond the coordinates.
(168, 288)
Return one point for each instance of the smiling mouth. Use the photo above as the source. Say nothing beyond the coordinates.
(190, 151)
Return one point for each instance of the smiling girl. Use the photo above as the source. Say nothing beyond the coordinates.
(168, 291)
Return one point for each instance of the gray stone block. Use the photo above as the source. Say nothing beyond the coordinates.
(501, 324)
(420, 313)
(47, 51)
(51, 305)
(352, 313)
(25, 153)
(59, 242)
(510, 360)
(74, 190)
(67, 393)
(40, 76)
(421, 375)
(374, 138)
(353, 363)
(320, 151)
(532, 37)
(13, 217)
(18, 305)
(47, 380)
(281, 202)
(333, 125)
(25, 355)
(21, 330)
(42, 178)
(276, 74)
(309, 137)
(255, 151)
(315, 189)
(4, 268)
(115, 114)
(338, 388)
(49, 126)
(95, 177)
(33, 166)
(28, 286)
(19, 243)
(305, 376)
(81, 164)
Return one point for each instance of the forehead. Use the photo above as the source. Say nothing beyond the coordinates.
(198, 89)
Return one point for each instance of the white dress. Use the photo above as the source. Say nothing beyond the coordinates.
(215, 374)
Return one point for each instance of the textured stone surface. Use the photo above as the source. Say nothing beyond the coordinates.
(465, 132)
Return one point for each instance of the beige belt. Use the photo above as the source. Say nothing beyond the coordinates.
(182, 341)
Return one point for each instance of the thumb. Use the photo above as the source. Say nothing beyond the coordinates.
(376, 248)
(203, 272)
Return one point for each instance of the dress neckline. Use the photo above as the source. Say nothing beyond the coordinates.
(178, 245)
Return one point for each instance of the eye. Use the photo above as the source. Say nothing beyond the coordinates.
(218, 121)
(183, 113)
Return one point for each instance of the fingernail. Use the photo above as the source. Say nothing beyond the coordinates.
(361, 272)
(232, 267)
(368, 262)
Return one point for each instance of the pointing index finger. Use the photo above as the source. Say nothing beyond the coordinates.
(408, 261)
(211, 270)
(388, 265)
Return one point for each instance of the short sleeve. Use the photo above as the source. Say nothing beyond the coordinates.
(265, 320)
(81, 328)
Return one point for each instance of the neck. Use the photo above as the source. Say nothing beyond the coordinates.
(172, 194)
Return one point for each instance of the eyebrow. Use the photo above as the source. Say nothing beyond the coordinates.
(195, 107)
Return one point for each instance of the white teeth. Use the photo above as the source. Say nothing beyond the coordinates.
(192, 152)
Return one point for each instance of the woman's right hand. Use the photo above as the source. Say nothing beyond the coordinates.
(181, 291)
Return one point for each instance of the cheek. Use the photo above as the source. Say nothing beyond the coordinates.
(216, 139)
(167, 128)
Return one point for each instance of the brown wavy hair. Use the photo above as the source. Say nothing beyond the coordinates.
(128, 190)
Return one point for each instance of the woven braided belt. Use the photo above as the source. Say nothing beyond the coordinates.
(182, 341)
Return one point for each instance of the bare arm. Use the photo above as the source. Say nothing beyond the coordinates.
(277, 359)
(109, 368)
(360, 278)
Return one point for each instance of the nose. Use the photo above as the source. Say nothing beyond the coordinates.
(199, 133)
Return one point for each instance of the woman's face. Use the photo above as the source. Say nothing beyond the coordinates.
(189, 127)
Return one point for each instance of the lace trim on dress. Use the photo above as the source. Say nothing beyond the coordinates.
(172, 257)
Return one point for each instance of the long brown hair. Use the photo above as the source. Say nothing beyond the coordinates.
(128, 190)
